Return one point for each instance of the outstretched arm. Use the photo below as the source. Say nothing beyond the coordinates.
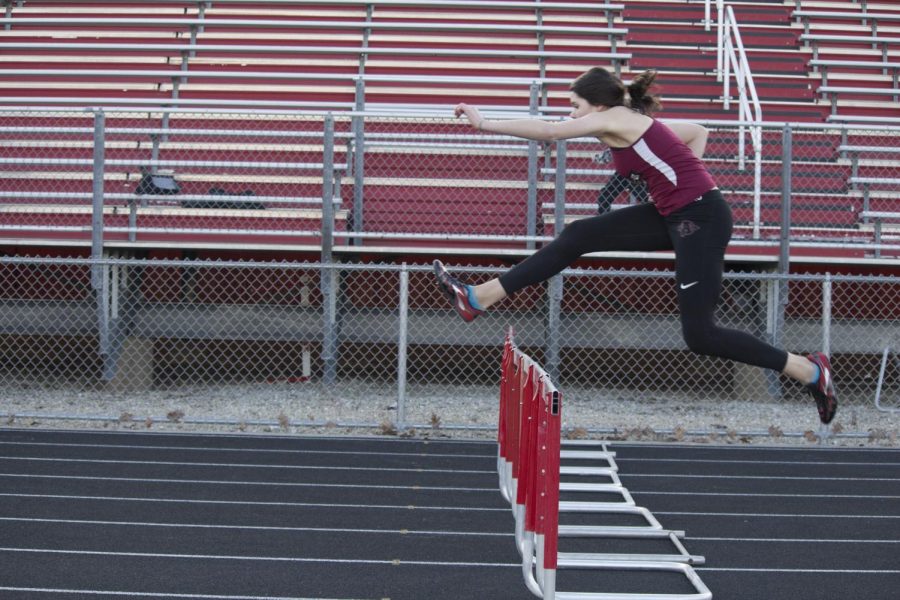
(536, 129)
(694, 136)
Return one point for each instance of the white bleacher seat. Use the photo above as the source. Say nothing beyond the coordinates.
(887, 156)
(890, 95)
(871, 21)
(880, 220)
(857, 70)
(880, 45)
(864, 120)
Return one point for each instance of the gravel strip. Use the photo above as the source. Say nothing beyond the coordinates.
(430, 411)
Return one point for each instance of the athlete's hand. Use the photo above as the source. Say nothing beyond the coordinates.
(471, 113)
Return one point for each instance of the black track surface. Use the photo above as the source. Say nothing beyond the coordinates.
(138, 515)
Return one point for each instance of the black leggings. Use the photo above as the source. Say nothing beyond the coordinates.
(698, 233)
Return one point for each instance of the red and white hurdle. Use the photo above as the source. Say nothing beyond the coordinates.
(530, 453)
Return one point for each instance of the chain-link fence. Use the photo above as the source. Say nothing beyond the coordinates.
(118, 331)
(207, 179)
(179, 179)
(310, 344)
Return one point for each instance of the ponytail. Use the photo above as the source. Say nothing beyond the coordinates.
(639, 97)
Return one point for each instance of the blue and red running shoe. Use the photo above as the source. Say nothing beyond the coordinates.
(823, 390)
(457, 292)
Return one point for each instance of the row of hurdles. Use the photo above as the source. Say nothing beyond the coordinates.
(536, 466)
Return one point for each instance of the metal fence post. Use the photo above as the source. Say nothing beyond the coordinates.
(359, 153)
(402, 341)
(559, 190)
(330, 278)
(329, 289)
(784, 255)
(786, 184)
(97, 216)
(554, 326)
(99, 271)
(328, 189)
(826, 315)
(555, 287)
(103, 310)
(532, 201)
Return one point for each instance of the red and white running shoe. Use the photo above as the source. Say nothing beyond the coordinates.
(457, 292)
(823, 390)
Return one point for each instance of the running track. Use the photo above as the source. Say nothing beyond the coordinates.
(101, 515)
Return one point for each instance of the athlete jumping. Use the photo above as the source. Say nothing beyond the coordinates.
(687, 214)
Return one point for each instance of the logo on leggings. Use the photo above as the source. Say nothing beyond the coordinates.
(686, 228)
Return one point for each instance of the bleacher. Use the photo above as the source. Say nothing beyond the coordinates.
(390, 71)
(856, 50)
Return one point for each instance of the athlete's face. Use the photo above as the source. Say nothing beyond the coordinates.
(581, 107)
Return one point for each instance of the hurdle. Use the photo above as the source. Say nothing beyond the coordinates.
(529, 465)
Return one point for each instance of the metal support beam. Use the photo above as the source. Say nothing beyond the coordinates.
(99, 163)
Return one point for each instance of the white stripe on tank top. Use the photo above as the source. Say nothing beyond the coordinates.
(644, 151)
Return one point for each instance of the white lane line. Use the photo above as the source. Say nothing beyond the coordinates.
(825, 463)
(287, 559)
(419, 470)
(492, 490)
(247, 450)
(635, 492)
(218, 435)
(791, 540)
(706, 448)
(152, 594)
(778, 515)
(817, 571)
(692, 538)
(504, 509)
(256, 527)
(249, 465)
(753, 477)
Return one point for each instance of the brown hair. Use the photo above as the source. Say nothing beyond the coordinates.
(601, 88)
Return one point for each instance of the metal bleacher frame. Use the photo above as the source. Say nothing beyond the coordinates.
(326, 173)
(827, 20)
(365, 28)
(355, 82)
(346, 241)
(537, 100)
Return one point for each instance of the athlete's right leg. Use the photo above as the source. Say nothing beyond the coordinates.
(637, 228)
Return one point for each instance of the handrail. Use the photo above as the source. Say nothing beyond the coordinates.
(449, 140)
(731, 55)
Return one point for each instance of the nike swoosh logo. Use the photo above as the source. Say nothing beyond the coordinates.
(685, 286)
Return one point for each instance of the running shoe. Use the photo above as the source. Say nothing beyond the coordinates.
(823, 390)
(457, 292)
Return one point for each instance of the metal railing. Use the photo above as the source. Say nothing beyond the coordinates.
(731, 56)
(403, 181)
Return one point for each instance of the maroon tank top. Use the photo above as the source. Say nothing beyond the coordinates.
(674, 176)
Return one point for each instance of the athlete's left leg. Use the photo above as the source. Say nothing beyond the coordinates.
(700, 233)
